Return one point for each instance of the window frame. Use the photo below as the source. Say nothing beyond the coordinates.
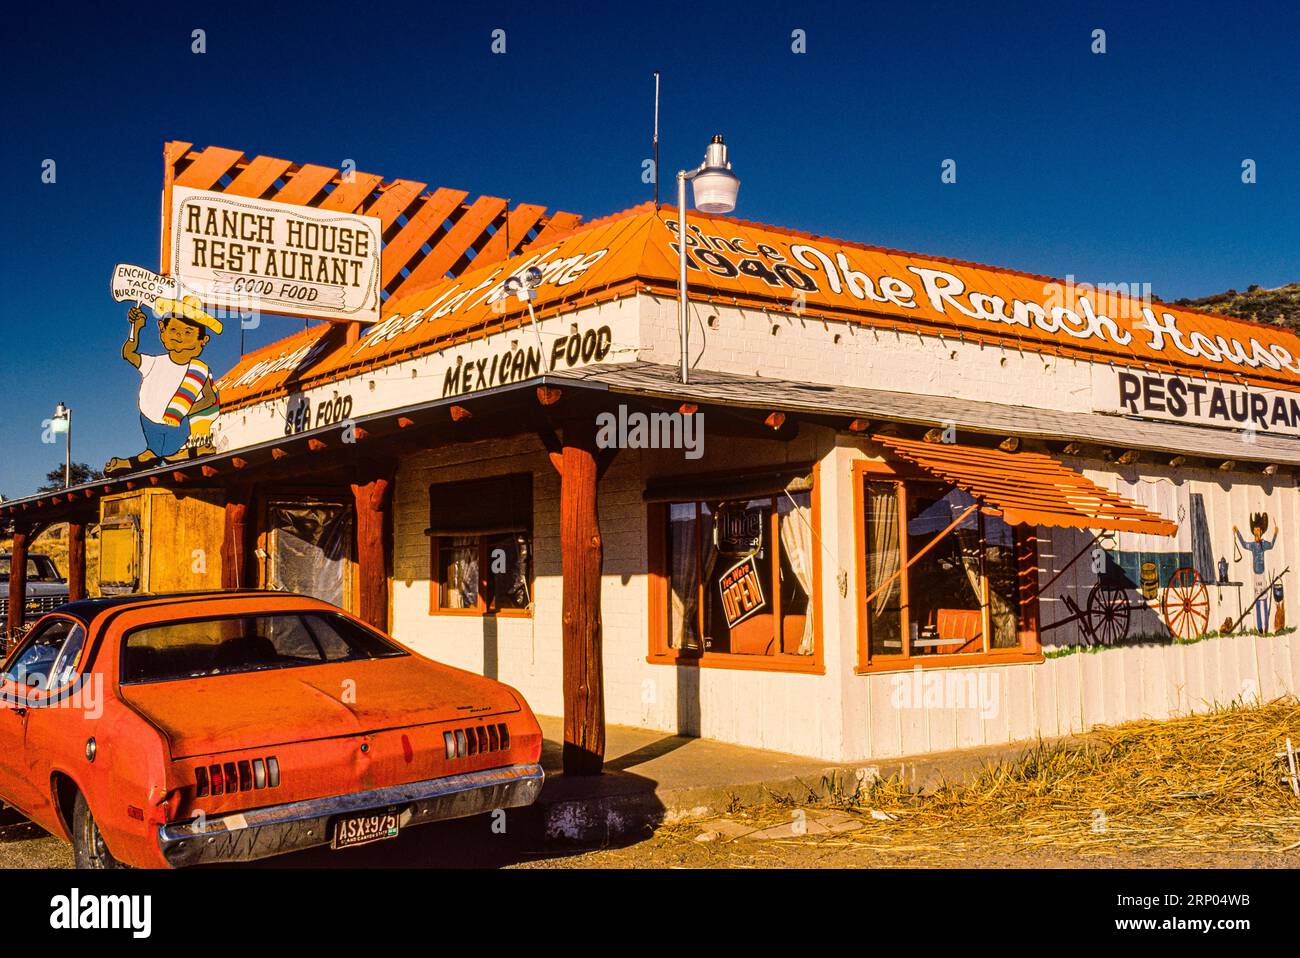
(659, 566)
(37, 697)
(437, 543)
(1029, 648)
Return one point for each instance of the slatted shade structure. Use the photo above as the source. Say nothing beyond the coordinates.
(429, 234)
(1029, 487)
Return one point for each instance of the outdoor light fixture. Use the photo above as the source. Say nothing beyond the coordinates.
(62, 423)
(715, 188)
(523, 287)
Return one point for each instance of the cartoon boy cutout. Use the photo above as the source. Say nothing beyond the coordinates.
(178, 400)
(1260, 582)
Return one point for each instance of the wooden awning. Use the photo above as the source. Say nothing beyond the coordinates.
(1029, 487)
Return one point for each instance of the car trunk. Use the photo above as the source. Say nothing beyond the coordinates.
(261, 710)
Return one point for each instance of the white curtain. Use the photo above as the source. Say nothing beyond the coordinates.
(685, 580)
(796, 540)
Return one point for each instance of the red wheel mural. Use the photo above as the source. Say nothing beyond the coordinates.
(1186, 604)
(1108, 614)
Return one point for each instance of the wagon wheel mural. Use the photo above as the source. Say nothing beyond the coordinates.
(1186, 604)
(1108, 614)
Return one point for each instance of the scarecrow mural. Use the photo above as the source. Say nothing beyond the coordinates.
(1262, 587)
(178, 398)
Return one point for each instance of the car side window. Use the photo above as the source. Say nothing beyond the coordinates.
(47, 659)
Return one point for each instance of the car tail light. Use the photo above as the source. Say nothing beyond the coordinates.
(242, 776)
(476, 739)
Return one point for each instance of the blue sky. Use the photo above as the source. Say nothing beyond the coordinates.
(1122, 167)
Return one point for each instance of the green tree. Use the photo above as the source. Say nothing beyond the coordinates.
(80, 472)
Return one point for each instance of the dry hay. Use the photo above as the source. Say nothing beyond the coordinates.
(1198, 783)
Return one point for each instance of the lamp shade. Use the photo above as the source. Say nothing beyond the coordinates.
(716, 190)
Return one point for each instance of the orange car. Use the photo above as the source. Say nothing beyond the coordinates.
(230, 726)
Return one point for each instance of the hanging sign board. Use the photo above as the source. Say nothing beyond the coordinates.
(1200, 402)
(248, 254)
(742, 592)
(135, 284)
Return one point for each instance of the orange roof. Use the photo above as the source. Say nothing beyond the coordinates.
(749, 264)
(1029, 487)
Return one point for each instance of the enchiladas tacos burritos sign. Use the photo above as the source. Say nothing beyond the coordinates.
(256, 255)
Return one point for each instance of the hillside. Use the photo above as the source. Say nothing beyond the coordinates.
(1272, 307)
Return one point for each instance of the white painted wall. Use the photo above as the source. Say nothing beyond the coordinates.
(841, 715)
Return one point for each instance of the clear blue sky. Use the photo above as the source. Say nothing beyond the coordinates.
(1123, 167)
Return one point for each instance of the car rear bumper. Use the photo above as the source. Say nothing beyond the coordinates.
(242, 837)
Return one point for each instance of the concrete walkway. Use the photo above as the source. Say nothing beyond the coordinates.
(653, 777)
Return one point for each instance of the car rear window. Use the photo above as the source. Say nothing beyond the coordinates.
(247, 643)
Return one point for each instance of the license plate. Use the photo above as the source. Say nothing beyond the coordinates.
(363, 828)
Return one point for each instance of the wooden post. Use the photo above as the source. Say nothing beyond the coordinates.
(372, 493)
(234, 544)
(17, 579)
(76, 561)
(582, 557)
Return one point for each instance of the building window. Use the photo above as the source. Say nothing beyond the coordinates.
(734, 578)
(481, 542)
(940, 581)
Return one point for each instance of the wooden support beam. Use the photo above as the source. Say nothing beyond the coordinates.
(17, 581)
(76, 561)
(460, 413)
(548, 395)
(372, 493)
(236, 567)
(582, 556)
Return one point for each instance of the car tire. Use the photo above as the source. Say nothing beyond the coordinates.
(89, 849)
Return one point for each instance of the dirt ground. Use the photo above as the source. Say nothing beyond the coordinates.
(742, 839)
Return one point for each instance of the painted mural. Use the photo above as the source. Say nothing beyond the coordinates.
(177, 398)
(1208, 578)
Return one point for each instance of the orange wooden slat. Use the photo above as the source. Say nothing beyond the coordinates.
(1046, 493)
(173, 150)
(256, 178)
(397, 196)
(507, 239)
(348, 196)
(435, 209)
(305, 184)
(208, 167)
(451, 247)
(558, 224)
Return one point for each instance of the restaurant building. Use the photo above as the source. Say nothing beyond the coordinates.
(896, 500)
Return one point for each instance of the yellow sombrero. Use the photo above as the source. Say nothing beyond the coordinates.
(187, 307)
